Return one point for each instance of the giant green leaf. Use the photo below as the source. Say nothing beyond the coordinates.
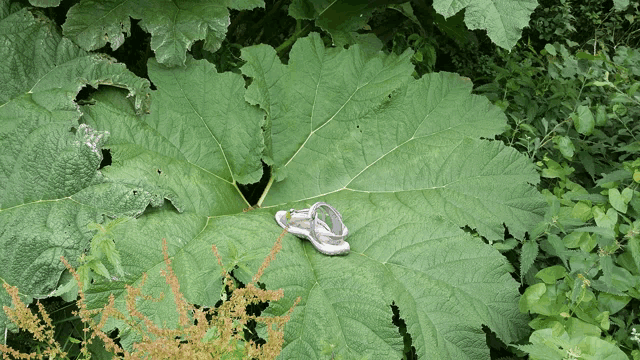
(340, 18)
(50, 189)
(503, 19)
(174, 25)
(407, 162)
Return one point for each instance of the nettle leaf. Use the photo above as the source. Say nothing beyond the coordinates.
(174, 25)
(407, 163)
(527, 257)
(50, 188)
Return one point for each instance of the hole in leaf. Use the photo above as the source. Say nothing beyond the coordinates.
(497, 348)
(252, 192)
(134, 52)
(59, 13)
(106, 158)
(409, 349)
(66, 325)
(159, 171)
(250, 329)
(85, 94)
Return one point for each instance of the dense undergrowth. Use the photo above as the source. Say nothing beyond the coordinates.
(203, 333)
(570, 92)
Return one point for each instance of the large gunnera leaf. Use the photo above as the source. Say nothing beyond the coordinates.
(503, 19)
(407, 162)
(174, 25)
(50, 188)
(341, 19)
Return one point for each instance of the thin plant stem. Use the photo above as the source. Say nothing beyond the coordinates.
(235, 184)
(292, 39)
(266, 191)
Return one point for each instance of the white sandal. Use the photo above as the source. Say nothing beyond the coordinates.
(326, 236)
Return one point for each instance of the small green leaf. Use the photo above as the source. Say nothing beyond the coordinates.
(550, 49)
(583, 120)
(578, 290)
(633, 244)
(577, 327)
(620, 5)
(633, 88)
(574, 239)
(527, 257)
(531, 296)
(608, 220)
(582, 211)
(613, 303)
(589, 243)
(621, 279)
(506, 245)
(555, 170)
(565, 146)
(528, 128)
(551, 274)
(617, 201)
(615, 177)
(98, 267)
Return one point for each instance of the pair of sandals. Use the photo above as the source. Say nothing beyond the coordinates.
(321, 224)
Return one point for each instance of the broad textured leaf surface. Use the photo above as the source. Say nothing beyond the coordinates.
(174, 25)
(407, 163)
(503, 19)
(50, 189)
(340, 18)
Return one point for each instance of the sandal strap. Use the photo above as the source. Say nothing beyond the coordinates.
(316, 222)
(334, 234)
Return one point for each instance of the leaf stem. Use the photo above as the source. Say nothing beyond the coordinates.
(235, 184)
(292, 39)
(266, 190)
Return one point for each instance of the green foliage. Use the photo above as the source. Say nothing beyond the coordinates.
(575, 113)
(174, 26)
(356, 99)
(595, 236)
(356, 117)
(586, 22)
(202, 333)
(503, 20)
(50, 187)
(407, 162)
(584, 105)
